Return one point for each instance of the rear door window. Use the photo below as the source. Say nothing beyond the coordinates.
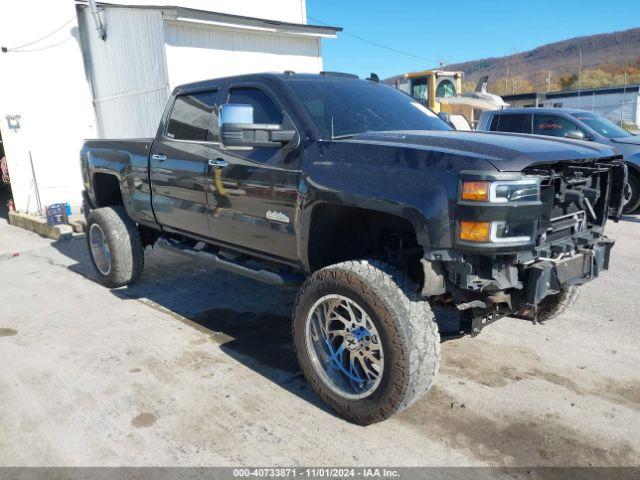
(552, 125)
(512, 122)
(193, 118)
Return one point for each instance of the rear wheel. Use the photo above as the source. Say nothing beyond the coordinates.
(115, 247)
(366, 343)
(632, 198)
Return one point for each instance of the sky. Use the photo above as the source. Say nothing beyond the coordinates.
(455, 30)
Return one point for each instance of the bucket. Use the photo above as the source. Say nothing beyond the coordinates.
(56, 214)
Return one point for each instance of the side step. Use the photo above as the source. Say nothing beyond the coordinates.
(282, 279)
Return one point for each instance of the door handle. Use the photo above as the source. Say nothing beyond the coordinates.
(218, 163)
(158, 157)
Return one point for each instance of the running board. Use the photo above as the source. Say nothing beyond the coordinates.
(282, 279)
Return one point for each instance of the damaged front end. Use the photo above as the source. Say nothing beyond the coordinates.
(521, 237)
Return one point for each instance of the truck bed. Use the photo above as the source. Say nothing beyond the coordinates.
(128, 160)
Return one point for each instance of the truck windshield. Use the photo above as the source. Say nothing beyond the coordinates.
(603, 126)
(342, 108)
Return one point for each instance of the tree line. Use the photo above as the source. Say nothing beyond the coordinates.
(550, 80)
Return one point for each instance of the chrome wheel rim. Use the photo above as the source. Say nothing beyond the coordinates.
(628, 193)
(99, 249)
(344, 347)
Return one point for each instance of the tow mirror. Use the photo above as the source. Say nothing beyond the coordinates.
(237, 128)
(576, 135)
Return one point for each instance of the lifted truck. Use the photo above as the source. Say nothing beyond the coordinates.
(371, 203)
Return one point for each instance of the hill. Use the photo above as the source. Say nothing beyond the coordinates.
(605, 57)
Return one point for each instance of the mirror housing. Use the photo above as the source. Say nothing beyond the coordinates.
(238, 130)
(576, 135)
(444, 116)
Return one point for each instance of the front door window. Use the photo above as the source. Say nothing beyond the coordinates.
(552, 125)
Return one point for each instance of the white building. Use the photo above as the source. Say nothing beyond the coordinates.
(73, 84)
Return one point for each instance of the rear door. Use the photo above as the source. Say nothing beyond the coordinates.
(254, 194)
(511, 122)
(178, 163)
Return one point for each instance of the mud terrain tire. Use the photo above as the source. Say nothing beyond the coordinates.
(124, 260)
(407, 330)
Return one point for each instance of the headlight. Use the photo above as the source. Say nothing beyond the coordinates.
(496, 231)
(474, 231)
(501, 191)
(486, 208)
(475, 191)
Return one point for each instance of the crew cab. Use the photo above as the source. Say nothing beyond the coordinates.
(381, 214)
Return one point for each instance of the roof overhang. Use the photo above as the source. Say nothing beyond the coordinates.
(184, 14)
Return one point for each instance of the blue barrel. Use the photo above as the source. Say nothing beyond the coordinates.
(56, 214)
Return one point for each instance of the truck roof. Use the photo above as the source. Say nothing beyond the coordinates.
(287, 75)
(539, 110)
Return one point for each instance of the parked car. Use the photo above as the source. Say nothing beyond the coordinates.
(364, 198)
(576, 124)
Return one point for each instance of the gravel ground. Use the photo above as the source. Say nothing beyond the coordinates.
(194, 366)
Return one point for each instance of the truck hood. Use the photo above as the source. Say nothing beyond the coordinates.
(632, 140)
(508, 152)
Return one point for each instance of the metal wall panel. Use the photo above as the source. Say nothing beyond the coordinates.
(616, 107)
(127, 72)
(197, 52)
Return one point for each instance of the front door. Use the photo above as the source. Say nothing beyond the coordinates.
(178, 164)
(254, 191)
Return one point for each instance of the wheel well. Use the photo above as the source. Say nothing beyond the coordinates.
(106, 188)
(339, 233)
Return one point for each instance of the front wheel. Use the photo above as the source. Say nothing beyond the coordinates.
(366, 343)
(115, 246)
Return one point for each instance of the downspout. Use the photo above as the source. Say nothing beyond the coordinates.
(87, 61)
(96, 17)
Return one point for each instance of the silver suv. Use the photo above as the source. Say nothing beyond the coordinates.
(574, 124)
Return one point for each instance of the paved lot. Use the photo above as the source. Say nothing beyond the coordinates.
(194, 367)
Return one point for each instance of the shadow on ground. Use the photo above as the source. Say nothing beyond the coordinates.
(249, 321)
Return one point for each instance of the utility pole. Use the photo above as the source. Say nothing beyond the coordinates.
(506, 80)
(549, 81)
(579, 76)
(624, 96)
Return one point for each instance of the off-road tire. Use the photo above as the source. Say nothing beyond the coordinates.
(407, 329)
(125, 245)
(553, 305)
(634, 202)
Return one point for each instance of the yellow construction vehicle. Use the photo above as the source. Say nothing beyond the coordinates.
(428, 86)
(441, 91)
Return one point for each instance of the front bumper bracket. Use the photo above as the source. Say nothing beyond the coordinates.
(548, 277)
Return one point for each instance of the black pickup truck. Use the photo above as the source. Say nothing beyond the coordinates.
(383, 215)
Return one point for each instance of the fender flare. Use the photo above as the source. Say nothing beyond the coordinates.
(305, 219)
